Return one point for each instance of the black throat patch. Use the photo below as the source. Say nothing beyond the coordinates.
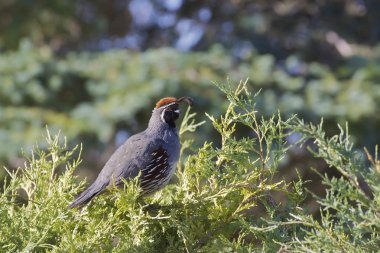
(170, 115)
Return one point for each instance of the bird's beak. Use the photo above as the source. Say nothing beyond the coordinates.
(188, 100)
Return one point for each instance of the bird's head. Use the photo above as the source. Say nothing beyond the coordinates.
(168, 109)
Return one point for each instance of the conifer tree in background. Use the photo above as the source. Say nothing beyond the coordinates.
(222, 201)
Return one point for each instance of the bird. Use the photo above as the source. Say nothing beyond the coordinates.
(151, 154)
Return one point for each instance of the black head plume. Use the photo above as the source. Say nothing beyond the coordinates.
(188, 100)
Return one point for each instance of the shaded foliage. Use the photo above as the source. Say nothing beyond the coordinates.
(312, 30)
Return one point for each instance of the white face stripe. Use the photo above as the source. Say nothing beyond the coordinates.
(163, 112)
(164, 106)
(164, 109)
(162, 116)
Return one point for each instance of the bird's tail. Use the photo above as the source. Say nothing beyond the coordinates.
(85, 197)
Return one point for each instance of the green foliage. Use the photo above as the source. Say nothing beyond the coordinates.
(350, 210)
(222, 200)
(90, 96)
(209, 209)
(33, 202)
(48, 23)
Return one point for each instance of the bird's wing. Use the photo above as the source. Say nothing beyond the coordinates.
(134, 155)
(127, 161)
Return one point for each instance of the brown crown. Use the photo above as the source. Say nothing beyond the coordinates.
(169, 100)
(165, 101)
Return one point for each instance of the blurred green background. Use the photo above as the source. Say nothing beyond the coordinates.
(94, 69)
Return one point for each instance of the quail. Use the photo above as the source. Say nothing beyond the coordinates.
(152, 154)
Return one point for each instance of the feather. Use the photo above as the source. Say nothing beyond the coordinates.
(88, 194)
(165, 101)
